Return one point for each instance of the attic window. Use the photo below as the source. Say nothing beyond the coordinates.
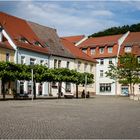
(84, 50)
(127, 49)
(101, 50)
(24, 40)
(38, 44)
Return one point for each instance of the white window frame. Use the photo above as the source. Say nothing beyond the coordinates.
(84, 50)
(105, 86)
(78, 65)
(92, 51)
(110, 51)
(23, 59)
(101, 60)
(85, 67)
(7, 60)
(59, 63)
(68, 65)
(128, 49)
(55, 63)
(101, 73)
(110, 60)
(101, 50)
(32, 60)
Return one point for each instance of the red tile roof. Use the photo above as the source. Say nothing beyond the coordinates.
(133, 40)
(74, 39)
(97, 42)
(18, 28)
(100, 41)
(76, 51)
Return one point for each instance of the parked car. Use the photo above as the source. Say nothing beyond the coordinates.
(21, 96)
(68, 95)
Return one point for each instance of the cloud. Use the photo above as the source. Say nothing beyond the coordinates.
(65, 17)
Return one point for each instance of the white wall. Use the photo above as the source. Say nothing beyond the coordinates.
(37, 56)
(64, 61)
(104, 79)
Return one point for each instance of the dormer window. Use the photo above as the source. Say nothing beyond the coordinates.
(24, 40)
(127, 49)
(92, 51)
(84, 50)
(38, 44)
(1, 34)
(139, 60)
(110, 49)
(101, 50)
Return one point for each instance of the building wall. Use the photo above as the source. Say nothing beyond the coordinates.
(104, 79)
(3, 52)
(54, 89)
(38, 57)
(91, 88)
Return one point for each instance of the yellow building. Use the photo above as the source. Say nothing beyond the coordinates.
(7, 54)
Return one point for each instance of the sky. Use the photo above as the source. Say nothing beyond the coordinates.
(75, 17)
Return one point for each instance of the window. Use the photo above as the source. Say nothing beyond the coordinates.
(105, 87)
(84, 50)
(29, 87)
(41, 62)
(68, 64)
(68, 87)
(110, 49)
(22, 59)
(139, 88)
(1, 36)
(91, 68)
(21, 87)
(110, 61)
(101, 50)
(7, 57)
(128, 49)
(85, 67)
(101, 61)
(59, 63)
(101, 73)
(92, 51)
(24, 40)
(32, 61)
(139, 60)
(38, 44)
(55, 63)
(79, 65)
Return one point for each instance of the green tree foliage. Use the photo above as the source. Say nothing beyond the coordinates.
(12, 72)
(117, 30)
(126, 72)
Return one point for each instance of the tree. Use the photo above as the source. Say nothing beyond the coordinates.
(126, 72)
(117, 30)
(11, 72)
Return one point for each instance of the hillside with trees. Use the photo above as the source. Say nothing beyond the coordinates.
(117, 30)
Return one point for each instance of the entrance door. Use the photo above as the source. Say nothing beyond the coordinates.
(40, 89)
(124, 90)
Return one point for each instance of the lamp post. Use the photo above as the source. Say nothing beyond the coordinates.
(85, 86)
(32, 84)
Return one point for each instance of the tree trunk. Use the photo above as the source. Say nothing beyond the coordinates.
(59, 89)
(3, 89)
(34, 89)
(76, 91)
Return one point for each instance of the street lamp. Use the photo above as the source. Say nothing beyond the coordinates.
(85, 86)
(32, 73)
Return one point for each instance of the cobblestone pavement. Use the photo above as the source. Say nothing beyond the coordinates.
(99, 117)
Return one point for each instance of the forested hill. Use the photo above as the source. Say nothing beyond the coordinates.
(118, 30)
